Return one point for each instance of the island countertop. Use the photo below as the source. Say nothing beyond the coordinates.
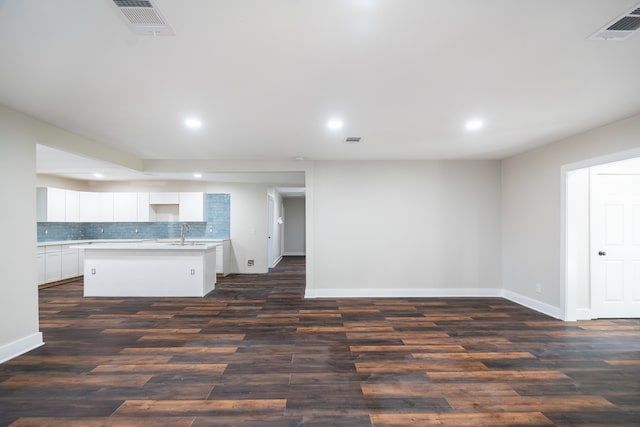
(189, 245)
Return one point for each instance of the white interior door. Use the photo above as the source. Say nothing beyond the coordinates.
(270, 232)
(615, 246)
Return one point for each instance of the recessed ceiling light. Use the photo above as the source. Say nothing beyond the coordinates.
(474, 125)
(334, 124)
(298, 158)
(193, 123)
(197, 175)
(98, 175)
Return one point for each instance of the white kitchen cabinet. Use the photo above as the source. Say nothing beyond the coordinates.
(106, 207)
(72, 206)
(40, 266)
(223, 258)
(69, 262)
(96, 207)
(89, 206)
(58, 262)
(80, 262)
(143, 207)
(164, 198)
(52, 264)
(56, 205)
(191, 207)
(125, 207)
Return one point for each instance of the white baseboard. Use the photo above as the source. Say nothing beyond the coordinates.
(402, 293)
(583, 314)
(20, 346)
(294, 254)
(276, 262)
(541, 307)
(533, 304)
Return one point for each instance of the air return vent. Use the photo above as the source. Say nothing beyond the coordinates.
(144, 17)
(352, 139)
(624, 26)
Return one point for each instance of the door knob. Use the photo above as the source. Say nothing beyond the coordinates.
(602, 253)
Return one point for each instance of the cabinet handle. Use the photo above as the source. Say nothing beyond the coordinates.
(602, 253)
(193, 271)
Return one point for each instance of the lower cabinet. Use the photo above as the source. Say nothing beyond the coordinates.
(69, 262)
(40, 266)
(58, 262)
(52, 264)
(223, 258)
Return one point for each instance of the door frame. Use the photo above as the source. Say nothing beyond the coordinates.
(568, 286)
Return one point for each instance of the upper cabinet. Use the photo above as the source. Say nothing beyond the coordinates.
(165, 198)
(191, 207)
(96, 207)
(72, 206)
(143, 207)
(56, 205)
(125, 207)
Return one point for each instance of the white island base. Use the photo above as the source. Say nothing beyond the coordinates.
(149, 269)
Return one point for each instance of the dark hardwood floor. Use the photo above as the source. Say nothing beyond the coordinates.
(255, 353)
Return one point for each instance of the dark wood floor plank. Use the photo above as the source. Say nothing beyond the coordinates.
(254, 352)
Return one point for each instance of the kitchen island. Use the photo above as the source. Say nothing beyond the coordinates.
(149, 269)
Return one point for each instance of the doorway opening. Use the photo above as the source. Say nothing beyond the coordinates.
(286, 229)
(601, 244)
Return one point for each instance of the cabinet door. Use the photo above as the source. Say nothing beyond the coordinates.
(69, 263)
(191, 207)
(96, 207)
(40, 263)
(80, 262)
(106, 207)
(219, 260)
(89, 207)
(52, 266)
(72, 206)
(56, 205)
(143, 207)
(164, 198)
(125, 207)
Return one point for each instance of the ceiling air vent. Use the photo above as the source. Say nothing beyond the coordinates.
(352, 139)
(624, 26)
(144, 17)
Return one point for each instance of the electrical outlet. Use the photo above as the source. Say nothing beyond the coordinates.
(539, 288)
(250, 263)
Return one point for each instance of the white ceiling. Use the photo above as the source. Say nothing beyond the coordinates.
(266, 76)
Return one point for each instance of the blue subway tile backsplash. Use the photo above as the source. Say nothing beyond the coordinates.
(217, 226)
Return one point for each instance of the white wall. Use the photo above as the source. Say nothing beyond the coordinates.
(59, 182)
(402, 228)
(294, 226)
(533, 239)
(248, 215)
(18, 292)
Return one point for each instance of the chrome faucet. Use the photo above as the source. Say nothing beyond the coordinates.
(185, 227)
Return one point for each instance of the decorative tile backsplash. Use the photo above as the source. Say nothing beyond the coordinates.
(217, 226)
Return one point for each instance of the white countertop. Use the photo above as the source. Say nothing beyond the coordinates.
(189, 245)
(94, 241)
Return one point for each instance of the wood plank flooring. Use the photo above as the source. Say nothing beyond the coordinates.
(255, 353)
